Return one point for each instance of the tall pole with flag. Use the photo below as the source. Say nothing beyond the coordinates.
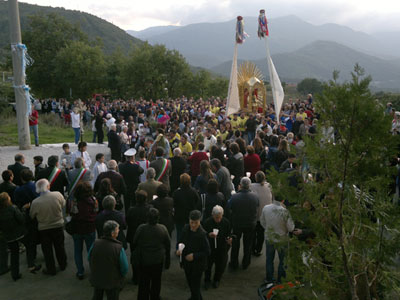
(276, 86)
(233, 102)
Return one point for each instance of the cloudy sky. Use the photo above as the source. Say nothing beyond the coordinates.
(365, 15)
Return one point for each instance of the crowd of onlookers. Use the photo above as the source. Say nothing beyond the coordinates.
(182, 166)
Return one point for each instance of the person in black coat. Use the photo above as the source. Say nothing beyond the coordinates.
(219, 244)
(117, 181)
(195, 253)
(114, 143)
(244, 207)
(165, 206)
(60, 181)
(7, 185)
(131, 172)
(17, 168)
(99, 126)
(212, 197)
(178, 164)
(109, 213)
(137, 215)
(152, 245)
(235, 164)
(186, 199)
(12, 225)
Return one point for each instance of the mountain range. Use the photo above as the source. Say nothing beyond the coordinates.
(299, 49)
(111, 35)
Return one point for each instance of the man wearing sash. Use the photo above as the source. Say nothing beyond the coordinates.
(79, 173)
(131, 172)
(56, 177)
(162, 166)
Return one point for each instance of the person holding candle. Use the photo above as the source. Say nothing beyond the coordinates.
(194, 253)
(219, 231)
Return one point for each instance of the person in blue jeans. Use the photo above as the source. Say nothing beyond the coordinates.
(83, 213)
(277, 222)
(76, 124)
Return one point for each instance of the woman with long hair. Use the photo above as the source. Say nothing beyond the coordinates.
(205, 175)
(106, 189)
(282, 153)
(83, 223)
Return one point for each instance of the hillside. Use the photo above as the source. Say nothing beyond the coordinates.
(93, 26)
(209, 44)
(320, 58)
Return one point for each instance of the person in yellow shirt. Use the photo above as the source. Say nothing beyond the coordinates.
(184, 145)
(235, 122)
(301, 114)
(242, 122)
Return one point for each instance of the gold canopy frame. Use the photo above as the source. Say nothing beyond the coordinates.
(252, 91)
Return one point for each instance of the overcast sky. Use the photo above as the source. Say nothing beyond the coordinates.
(365, 15)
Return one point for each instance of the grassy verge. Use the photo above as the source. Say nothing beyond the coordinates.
(51, 131)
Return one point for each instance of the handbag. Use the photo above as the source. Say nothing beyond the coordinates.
(70, 227)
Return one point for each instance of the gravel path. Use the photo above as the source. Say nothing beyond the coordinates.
(7, 153)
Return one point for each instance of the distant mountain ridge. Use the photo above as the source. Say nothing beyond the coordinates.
(320, 58)
(112, 36)
(209, 44)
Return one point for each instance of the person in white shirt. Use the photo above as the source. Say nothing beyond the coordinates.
(110, 121)
(263, 191)
(209, 140)
(76, 120)
(144, 163)
(277, 222)
(81, 152)
(99, 167)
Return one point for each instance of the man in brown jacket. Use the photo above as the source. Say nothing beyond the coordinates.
(150, 185)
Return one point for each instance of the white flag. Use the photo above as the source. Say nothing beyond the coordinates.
(233, 102)
(276, 86)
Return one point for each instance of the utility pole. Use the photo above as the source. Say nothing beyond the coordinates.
(24, 138)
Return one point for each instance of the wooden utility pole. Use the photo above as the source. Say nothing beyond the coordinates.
(24, 138)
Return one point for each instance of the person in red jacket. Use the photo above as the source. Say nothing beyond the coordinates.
(252, 162)
(33, 124)
(195, 161)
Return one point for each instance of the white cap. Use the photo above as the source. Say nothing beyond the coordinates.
(130, 152)
(108, 116)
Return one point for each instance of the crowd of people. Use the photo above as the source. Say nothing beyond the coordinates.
(182, 166)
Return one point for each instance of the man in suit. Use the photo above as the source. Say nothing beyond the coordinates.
(17, 168)
(162, 166)
(223, 178)
(150, 185)
(131, 172)
(57, 177)
(114, 143)
(117, 181)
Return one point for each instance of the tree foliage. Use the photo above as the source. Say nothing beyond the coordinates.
(309, 86)
(349, 207)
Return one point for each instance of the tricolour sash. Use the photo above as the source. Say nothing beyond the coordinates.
(78, 177)
(163, 169)
(54, 175)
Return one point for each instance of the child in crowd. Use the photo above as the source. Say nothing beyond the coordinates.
(39, 165)
(99, 167)
(66, 157)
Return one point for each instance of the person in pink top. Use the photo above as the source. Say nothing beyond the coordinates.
(163, 118)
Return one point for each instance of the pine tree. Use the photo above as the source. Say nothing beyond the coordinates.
(346, 208)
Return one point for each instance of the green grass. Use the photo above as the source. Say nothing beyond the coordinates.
(51, 131)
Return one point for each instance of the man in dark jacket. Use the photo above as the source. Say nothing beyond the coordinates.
(219, 243)
(108, 263)
(165, 206)
(152, 247)
(186, 199)
(17, 168)
(114, 143)
(223, 178)
(7, 185)
(57, 177)
(117, 181)
(178, 167)
(131, 172)
(235, 164)
(244, 206)
(137, 215)
(195, 253)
